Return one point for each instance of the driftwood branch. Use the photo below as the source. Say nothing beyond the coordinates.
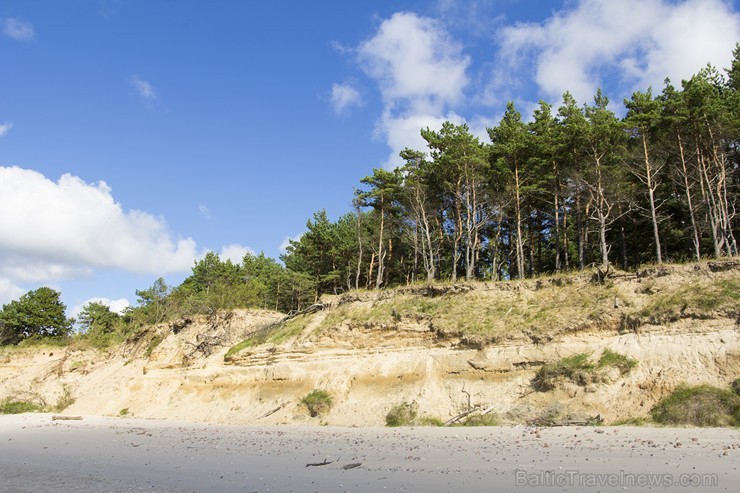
(60, 417)
(460, 416)
(324, 463)
(270, 413)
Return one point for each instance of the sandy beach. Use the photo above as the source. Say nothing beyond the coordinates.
(38, 454)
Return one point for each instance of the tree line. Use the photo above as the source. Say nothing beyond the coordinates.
(574, 187)
(570, 188)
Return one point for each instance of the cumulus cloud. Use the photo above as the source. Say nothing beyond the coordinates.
(5, 127)
(235, 253)
(638, 41)
(143, 89)
(116, 306)
(66, 229)
(9, 291)
(421, 72)
(343, 97)
(18, 29)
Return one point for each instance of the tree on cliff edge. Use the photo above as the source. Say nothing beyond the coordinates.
(36, 313)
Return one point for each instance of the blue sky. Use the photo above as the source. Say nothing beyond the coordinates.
(137, 135)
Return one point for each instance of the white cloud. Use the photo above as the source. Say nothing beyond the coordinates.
(143, 89)
(9, 291)
(18, 29)
(343, 97)
(400, 132)
(205, 211)
(5, 127)
(643, 41)
(116, 306)
(414, 59)
(286, 242)
(420, 70)
(235, 253)
(67, 229)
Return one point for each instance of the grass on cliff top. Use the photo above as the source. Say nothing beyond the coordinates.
(538, 308)
(488, 313)
(699, 299)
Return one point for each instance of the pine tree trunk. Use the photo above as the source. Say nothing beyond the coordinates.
(694, 228)
(651, 190)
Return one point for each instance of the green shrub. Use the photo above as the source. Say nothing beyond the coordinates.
(123, 412)
(317, 402)
(569, 367)
(402, 414)
(735, 386)
(701, 405)
(620, 361)
(10, 406)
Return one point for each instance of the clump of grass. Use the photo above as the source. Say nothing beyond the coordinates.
(402, 414)
(569, 368)
(490, 419)
(616, 360)
(156, 341)
(11, 406)
(276, 334)
(695, 300)
(317, 402)
(123, 412)
(64, 400)
(429, 421)
(579, 369)
(701, 405)
(735, 386)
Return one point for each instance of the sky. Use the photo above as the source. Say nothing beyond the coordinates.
(135, 136)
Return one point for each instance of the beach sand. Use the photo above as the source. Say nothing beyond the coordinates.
(104, 454)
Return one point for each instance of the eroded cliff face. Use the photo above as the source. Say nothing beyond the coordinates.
(374, 350)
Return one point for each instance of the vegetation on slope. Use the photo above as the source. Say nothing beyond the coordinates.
(574, 188)
(701, 405)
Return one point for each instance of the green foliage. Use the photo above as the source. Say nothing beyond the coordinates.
(97, 318)
(698, 299)
(403, 414)
(490, 419)
(630, 422)
(735, 386)
(616, 360)
(152, 345)
(123, 412)
(11, 406)
(579, 369)
(64, 400)
(99, 326)
(429, 421)
(274, 334)
(37, 313)
(317, 402)
(701, 405)
(568, 368)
